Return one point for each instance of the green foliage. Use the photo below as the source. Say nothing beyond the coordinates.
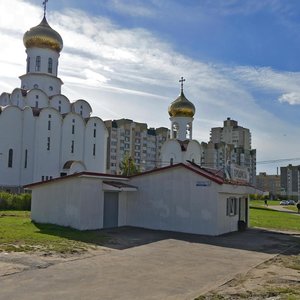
(15, 201)
(128, 166)
(19, 233)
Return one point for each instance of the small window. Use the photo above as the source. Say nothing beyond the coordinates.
(50, 88)
(50, 64)
(73, 129)
(38, 63)
(94, 149)
(172, 161)
(49, 125)
(48, 143)
(25, 161)
(231, 206)
(36, 86)
(59, 108)
(10, 158)
(28, 64)
(94, 133)
(36, 104)
(72, 147)
(43, 178)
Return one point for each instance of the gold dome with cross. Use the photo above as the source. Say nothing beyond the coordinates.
(181, 106)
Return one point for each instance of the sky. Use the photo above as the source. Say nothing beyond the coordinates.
(240, 59)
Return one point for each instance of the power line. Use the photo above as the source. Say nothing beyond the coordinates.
(277, 160)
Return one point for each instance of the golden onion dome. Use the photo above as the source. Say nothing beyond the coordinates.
(43, 36)
(181, 107)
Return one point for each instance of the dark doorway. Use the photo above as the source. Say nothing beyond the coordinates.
(111, 210)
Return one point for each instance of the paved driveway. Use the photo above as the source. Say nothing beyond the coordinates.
(145, 264)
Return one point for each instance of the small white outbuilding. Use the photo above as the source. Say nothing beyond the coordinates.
(181, 197)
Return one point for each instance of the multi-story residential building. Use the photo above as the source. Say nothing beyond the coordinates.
(230, 144)
(142, 144)
(290, 181)
(269, 183)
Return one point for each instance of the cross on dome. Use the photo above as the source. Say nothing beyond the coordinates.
(45, 6)
(181, 82)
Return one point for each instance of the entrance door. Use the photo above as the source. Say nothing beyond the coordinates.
(111, 210)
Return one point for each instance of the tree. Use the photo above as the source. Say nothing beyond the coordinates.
(128, 166)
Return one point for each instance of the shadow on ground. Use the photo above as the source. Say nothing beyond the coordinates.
(260, 240)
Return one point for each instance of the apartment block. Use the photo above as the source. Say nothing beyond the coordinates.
(290, 181)
(230, 144)
(135, 139)
(269, 183)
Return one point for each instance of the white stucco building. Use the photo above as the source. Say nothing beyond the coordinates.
(180, 197)
(181, 146)
(43, 134)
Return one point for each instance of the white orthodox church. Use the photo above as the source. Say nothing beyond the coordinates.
(181, 146)
(42, 134)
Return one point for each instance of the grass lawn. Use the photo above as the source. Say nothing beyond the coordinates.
(268, 218)
(18, 233)
(261, 203)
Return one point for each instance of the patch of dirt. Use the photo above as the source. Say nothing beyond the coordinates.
(16, 262)
(275, 279)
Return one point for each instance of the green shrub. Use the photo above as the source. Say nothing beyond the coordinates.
(10, 201)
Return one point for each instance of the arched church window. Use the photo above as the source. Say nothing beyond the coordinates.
(72, 147)
(175, 130)
(50, 64)
(10, 158)
(172, 161)
(28, 64)
(38, 63)
(188, 131)
(26, 157)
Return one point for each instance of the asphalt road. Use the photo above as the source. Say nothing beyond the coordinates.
(144, 264)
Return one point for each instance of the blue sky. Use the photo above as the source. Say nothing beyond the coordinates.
(240, 59)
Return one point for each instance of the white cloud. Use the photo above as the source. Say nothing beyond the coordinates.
(291, 98)
(133, 8)
(133, 74)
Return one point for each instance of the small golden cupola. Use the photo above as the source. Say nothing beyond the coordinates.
(181, 106)
(43, 36)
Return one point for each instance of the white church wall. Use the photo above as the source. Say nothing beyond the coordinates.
(44, 55)
(10, 150)
(193, 152)
(171, 151)
(73, 130)
(75, 202)
(61, 103)
(46, 82)
(95, 144)
(174, 199)
(82, 108)
(37, 98)
(17, 98)
(5, 99)
(27, 146)
(48, 141)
